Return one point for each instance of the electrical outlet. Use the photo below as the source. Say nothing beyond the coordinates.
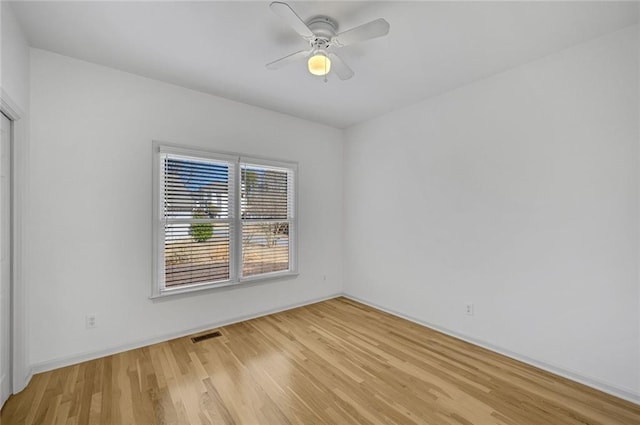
(469, 309)
(90, 321)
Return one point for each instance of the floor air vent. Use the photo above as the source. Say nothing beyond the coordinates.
(206, 336)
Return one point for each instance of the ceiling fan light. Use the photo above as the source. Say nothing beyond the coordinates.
(319, 64)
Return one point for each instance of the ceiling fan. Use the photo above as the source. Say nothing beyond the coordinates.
(321, 34)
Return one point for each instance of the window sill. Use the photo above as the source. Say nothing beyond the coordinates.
(227, 284)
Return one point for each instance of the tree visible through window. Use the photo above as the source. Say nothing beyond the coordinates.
(221, 219)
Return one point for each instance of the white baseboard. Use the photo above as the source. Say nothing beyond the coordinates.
(92, 355)
(25, 381)
(623, 393)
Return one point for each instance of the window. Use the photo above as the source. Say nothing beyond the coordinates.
(220, 219)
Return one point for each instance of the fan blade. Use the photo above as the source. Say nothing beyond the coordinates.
(373, 29)
(340, 67)
(277, 64)
(284, 11)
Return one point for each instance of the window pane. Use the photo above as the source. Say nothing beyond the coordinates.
(265, 193)
(198, 189)
(196, 253)
(265, 248)
(223, 216)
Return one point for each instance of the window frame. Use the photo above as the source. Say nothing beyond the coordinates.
(159, 290)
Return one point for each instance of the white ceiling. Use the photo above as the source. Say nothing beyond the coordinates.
(221, 47)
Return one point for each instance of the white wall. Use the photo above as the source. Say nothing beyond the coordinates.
(90, 221)
(14, 72)
(518, 193)
(14, 94)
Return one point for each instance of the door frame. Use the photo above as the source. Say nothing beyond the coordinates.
(20, 370)
(8, 198)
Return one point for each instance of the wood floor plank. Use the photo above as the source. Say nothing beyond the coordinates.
(335, 362)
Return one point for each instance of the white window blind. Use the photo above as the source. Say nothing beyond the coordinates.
(267, 218)
(221, 219)
(198, 220)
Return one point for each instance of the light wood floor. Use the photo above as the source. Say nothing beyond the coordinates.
(335, 362)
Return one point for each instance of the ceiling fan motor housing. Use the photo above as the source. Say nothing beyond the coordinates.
(324, 28)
